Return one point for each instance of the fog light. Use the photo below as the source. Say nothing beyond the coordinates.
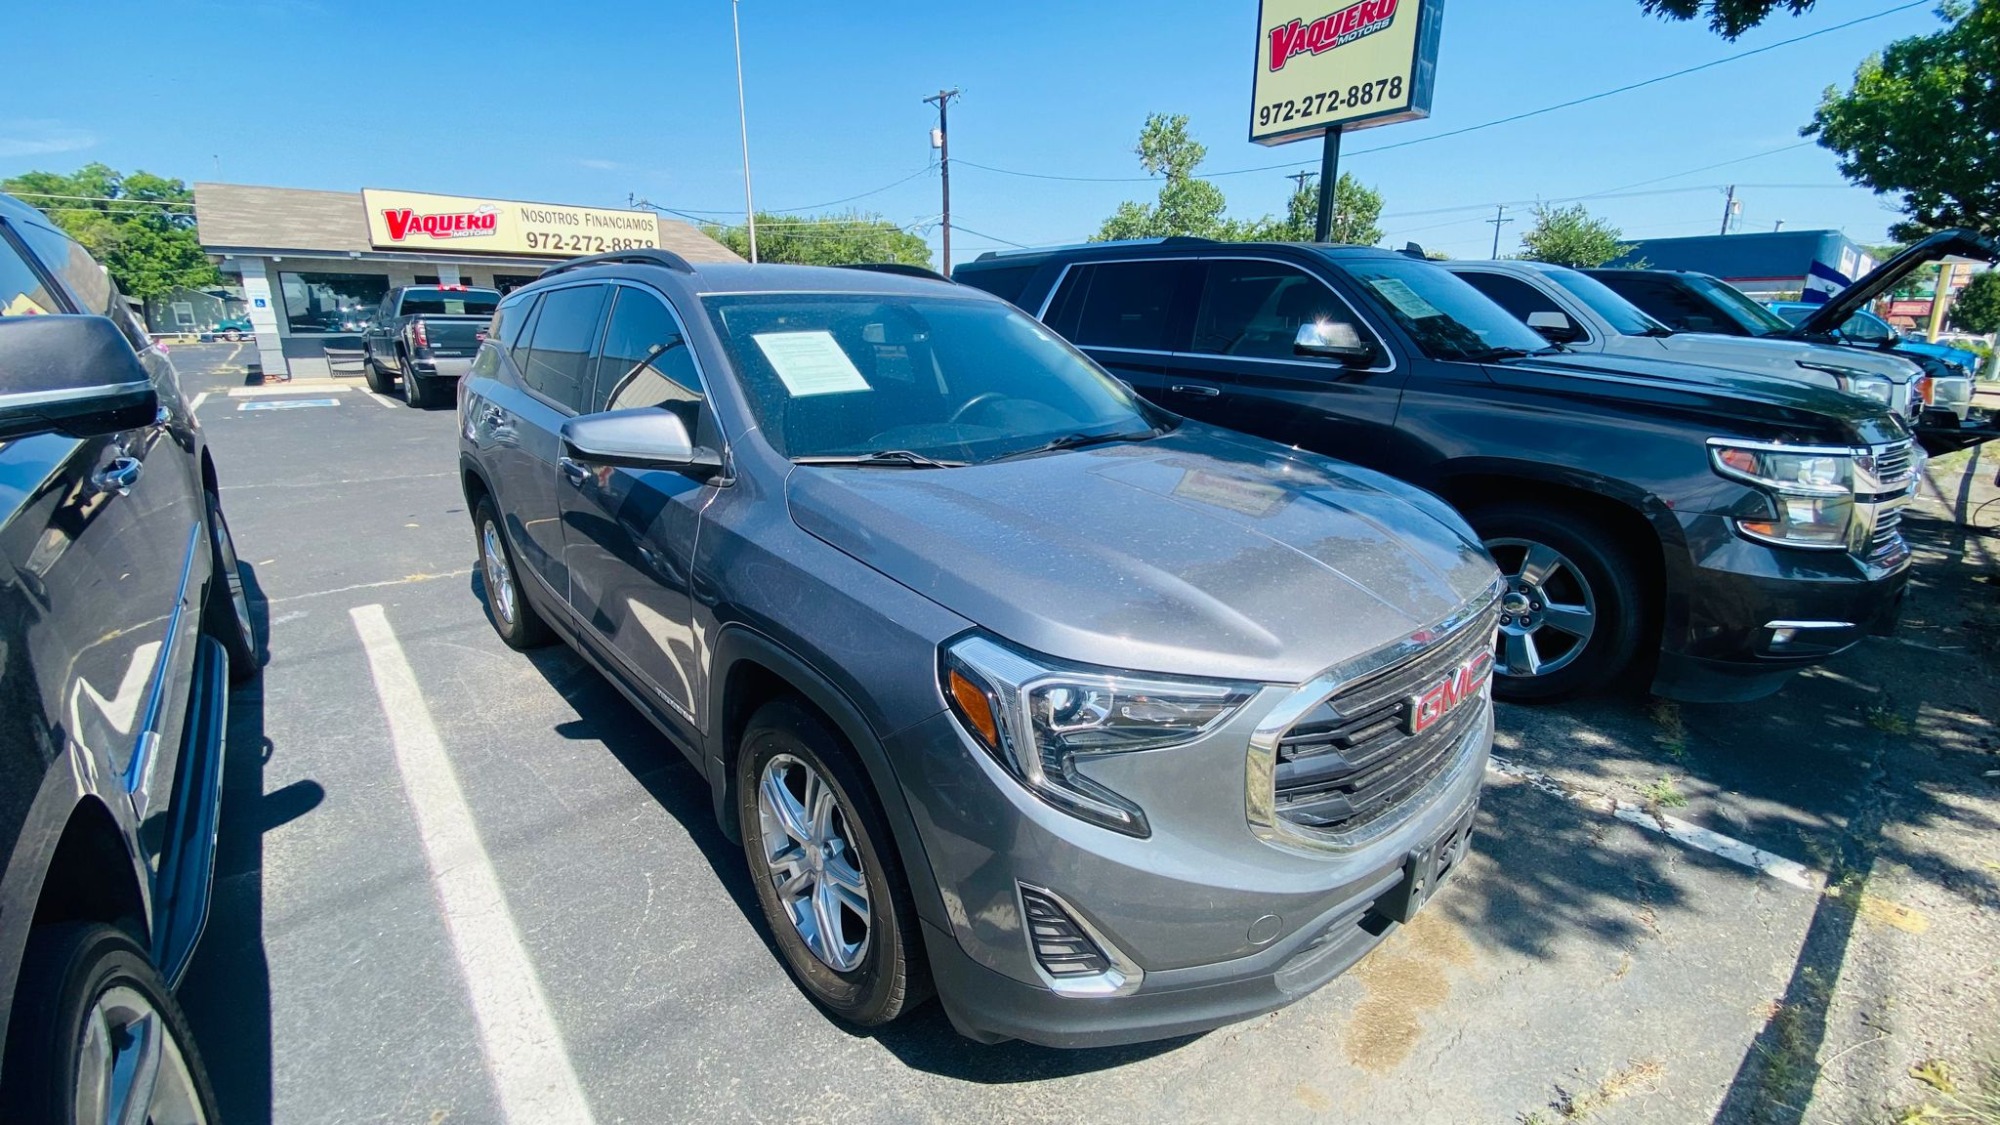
(1783, 637)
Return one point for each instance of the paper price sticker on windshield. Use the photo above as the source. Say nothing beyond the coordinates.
(810, 363)
(1406, 300)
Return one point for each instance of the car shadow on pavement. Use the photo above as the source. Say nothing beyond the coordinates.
(227, 991)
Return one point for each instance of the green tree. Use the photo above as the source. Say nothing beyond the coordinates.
(1356, 210)
(1977, 309)
(826, 240)
(1186, 204)
(1728, 18)
(1921, 120)
(140, 226)
(1570, 236)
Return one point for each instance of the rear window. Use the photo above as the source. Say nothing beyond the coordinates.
(437, 300)
(1005, 282)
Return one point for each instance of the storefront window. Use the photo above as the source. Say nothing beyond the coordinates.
(331, 302)
(508, 282)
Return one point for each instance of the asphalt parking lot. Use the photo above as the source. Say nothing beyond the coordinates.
(1674, 914)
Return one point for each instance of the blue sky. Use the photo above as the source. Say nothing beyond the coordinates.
(591, 100)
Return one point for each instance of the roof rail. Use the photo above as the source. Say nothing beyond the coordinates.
(897, 268)
(665, 259)
(1170, 240)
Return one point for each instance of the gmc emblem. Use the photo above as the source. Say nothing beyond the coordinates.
(1428, 708)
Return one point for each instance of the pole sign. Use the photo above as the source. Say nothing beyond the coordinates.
(1324, 65)
(407, 220)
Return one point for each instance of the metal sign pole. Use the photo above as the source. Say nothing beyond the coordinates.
(1329, 184)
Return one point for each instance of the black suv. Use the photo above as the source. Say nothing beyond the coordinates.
(122, 619)
(1746, 526)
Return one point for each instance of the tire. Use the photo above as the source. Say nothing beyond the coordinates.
(417, 390)
(378, 382)
(226, 612)
(77, 977)
(507, 605)
(867, 974)
(1577, 565)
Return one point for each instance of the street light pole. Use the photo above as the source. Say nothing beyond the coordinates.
(743, 118)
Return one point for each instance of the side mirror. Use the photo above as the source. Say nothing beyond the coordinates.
(647, 438)
(1332, 339)
(1555, 327)
(73, 374)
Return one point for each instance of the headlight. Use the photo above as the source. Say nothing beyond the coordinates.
(1854, 381)
(1039, 721)
(1811, 491)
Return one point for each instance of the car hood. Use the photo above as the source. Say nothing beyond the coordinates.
(1883, 278)
(1201, 553)
(1781, 356)
(1777, 408)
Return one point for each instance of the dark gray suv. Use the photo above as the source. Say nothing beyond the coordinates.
(1107, 724)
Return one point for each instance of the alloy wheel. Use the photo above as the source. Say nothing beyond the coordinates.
(1548, 613)
(499, 576)
(814, 866)
(130, 1069)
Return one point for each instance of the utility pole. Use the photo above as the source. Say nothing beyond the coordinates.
(942, 101)
(743, 119)
(1729, 209)
(1778, 226)
(1498, 220)
(1329, 184)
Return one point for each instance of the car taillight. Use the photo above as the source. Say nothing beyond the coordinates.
(417, 334)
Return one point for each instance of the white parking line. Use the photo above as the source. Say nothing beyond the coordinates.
(524, 1051)
(1674, 828)
(385, 400)
(198, 400)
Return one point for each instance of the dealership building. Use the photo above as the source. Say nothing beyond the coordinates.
(314, 264)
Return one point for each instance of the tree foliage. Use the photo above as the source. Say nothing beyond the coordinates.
(1922, 119)
(141, 226)
(1188, 205)
(826, 240)
(1728, 18)
(1977, 309)
(1571, 236)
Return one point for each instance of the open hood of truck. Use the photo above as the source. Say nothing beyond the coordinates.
(1854, 298)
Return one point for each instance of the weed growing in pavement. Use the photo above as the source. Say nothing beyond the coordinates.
(1883, 717)
(1664, 794)
(1952, 1102)
(1666, 714)
(1570, 1106)
(1789, 1067)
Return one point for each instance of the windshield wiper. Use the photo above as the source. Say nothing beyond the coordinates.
(1078, 441)
(883, 458)
(1490, 355)
(1657, 332)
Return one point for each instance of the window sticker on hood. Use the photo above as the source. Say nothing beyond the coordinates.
(811, 363)
(1406, 300)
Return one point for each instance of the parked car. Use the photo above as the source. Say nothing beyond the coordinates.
(425, 336)
(1954, 370)
(1738, 525)
(1108, 725)
(123, 617)
(232, 329)
(1582, 314)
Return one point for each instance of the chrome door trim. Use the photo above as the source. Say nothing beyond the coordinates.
(149, 736)
(73, 394)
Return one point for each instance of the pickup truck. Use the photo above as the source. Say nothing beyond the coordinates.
(1716, 531)
(425, 336)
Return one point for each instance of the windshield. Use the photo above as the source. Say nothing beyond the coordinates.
(1626, 318)
(425, 300)
(1448, 318)
(946, 378)
(1794, 314)
(1733, 303)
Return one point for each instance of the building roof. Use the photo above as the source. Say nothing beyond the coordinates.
(241, 217)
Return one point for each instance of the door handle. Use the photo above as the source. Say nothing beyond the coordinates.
(1196, 389)
(575, 472)
(119, 476)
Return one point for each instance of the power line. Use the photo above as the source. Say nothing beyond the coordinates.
(101, 199)
(1508, 120)
(924, 171)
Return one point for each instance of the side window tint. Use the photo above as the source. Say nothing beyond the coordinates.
(1005, 283)
(565, 338)
(1118, 305)
(21, 291)
(70, 262)
(645, 361)
(1255, 309)
(1511, 293)
(516, 342)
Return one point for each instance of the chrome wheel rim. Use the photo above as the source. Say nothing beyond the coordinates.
(129, 1069)
(1547, 614)
(499, 576)
(815, 869)
(232, 573)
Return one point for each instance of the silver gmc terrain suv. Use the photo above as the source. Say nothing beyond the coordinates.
(1106, 724)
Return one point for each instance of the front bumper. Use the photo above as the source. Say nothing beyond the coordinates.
(1221, 925)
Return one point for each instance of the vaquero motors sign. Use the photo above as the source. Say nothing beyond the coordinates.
(406, 220)
(1348, 66)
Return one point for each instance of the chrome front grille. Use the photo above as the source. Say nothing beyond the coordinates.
(1892, 466)
(1884, 483)
(1354, 757)
(1886, 544)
